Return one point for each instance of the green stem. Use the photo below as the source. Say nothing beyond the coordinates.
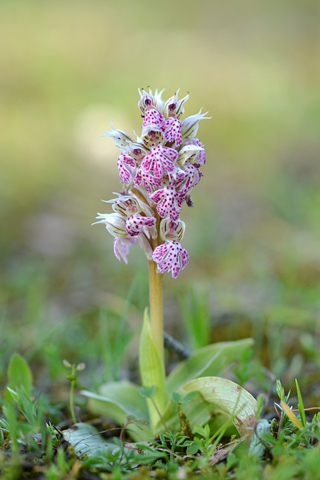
(160, 416)
(72, 396)
(151, 355)
(156, 307)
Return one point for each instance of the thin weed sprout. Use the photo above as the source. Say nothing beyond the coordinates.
(72, 377)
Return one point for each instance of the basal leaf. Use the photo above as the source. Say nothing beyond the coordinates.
(216, 396)
(207, 361)
(117, 400)
(128, 395)
(101, 405)
(86, 440)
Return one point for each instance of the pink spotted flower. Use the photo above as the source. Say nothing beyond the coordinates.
(170, 257)
(158, 172)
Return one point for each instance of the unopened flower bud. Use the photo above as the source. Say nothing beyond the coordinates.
(146, 101)
(173, 107)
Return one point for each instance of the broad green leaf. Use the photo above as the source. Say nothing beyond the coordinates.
(216, 396)
(86, 440)
(19, 374)
(117, 400)
(104, 406)
(128, 395)
(152, 371)
(207, 361)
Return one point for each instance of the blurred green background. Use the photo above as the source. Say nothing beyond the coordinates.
(70, 68)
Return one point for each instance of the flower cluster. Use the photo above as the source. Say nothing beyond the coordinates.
(158, 172)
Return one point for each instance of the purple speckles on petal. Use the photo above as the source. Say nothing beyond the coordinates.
(136, 224)
(170, 257)
(159, 161)
(192, 173)
(168, 201)
(150, 182)
(171, 153)
(126, 167)
(172, 130)
(153, 117)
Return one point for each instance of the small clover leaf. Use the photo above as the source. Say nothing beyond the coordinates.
(147, 392)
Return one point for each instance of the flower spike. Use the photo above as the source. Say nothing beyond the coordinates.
(158, 171)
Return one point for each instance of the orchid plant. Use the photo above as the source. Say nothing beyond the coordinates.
(158, 171)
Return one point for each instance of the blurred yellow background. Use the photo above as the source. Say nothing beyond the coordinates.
(70, 68)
